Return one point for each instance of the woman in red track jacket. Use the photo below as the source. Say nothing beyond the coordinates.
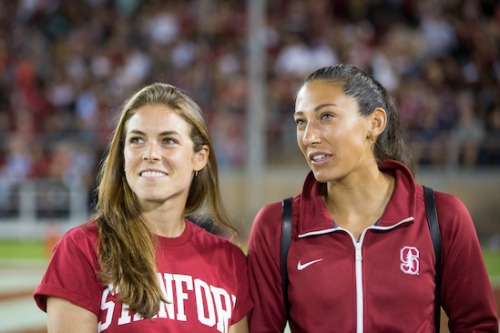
(361, 257)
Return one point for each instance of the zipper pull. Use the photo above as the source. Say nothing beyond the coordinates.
(358, 251)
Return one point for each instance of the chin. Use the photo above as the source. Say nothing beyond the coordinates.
(321, 177)
(151, 197)
(326, 176)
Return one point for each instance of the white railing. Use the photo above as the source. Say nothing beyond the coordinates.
(32, 208)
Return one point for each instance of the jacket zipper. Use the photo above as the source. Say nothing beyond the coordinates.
(359, 286)
(359, 278)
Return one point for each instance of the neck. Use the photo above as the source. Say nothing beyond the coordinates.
(165, 221)
(355, 205)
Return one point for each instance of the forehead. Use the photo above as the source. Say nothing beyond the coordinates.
(320, 86)
(158, 118)
(321, 92)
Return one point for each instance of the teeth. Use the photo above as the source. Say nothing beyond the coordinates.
(317, 157)
(153, 174)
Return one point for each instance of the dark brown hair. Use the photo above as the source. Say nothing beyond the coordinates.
(370, 94)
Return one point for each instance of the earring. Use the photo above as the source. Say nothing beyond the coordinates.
(371, 137)
(196, 173)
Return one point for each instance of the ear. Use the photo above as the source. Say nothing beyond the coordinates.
(378, 122)
(200, 158)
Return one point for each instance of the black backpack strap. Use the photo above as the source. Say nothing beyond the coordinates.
(286, 237)
(432, 219)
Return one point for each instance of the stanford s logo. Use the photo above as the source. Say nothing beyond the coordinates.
(410, 263)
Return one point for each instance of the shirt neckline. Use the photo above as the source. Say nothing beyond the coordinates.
(177, 241)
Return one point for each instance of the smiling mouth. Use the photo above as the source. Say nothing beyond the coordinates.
(320, 159)
(153, 174)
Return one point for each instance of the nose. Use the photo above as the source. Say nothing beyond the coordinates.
(311, 134)
(151, 154)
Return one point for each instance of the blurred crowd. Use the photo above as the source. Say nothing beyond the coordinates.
(67, 66)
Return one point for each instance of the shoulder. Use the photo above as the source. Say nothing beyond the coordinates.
(215, 244)
(450, 208)
(268, 218)
(78, 244)
(82, 236)
(265, 235)
(455, 222)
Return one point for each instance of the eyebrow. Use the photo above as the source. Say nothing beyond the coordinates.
(319, 107)
(161, 134)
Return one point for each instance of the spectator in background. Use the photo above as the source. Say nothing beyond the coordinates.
(493, 135)
(467, 135)
(436, 31)
(429, 144)
(14, 170)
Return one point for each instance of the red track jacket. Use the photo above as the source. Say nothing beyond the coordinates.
(382, 283)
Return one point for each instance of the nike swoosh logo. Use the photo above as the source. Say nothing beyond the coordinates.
(302, 266)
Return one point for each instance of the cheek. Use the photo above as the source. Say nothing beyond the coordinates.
(353, 131)
(127, 163)
(126, 158)
(129, 155)
(300, 135)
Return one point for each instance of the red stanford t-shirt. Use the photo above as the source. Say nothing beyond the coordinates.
(203, 277)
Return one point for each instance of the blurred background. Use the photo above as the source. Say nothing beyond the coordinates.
(67, 66)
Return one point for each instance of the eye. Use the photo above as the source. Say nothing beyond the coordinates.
(326, 116)
(135, 140)
(168, 141)
(299, 122)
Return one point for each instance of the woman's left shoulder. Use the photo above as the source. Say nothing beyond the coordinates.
(215, 242)
(453, 216)
(450, 205)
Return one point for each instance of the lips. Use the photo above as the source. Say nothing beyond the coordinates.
(319, 158)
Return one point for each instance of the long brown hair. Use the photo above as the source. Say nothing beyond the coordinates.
(126, 245)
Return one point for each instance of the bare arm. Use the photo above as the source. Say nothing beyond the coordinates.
(64, 316)
(239, 327)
